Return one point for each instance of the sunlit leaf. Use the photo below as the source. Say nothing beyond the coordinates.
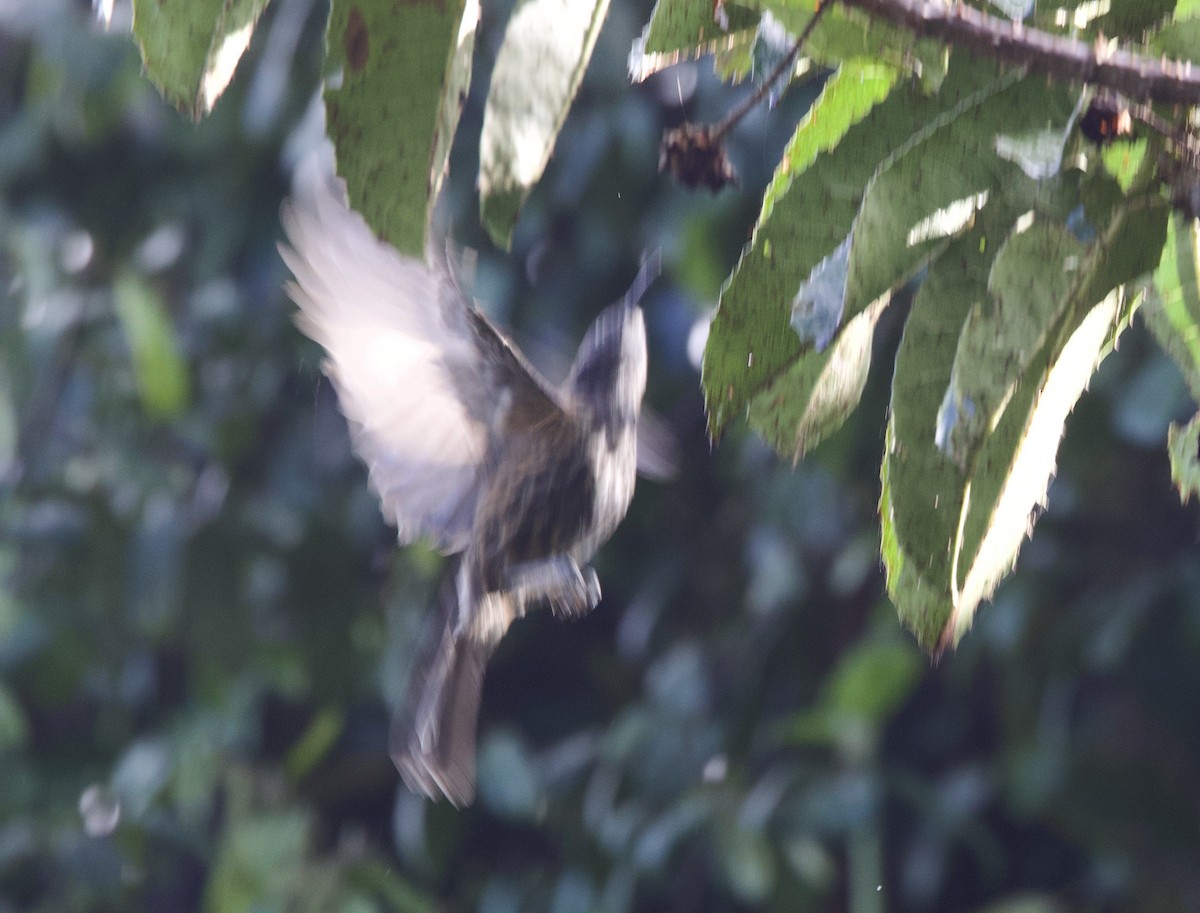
(1006, 331)
(1178, 40)
(538, 70)
(751, 341)
(952, 530)
(681, 30)
(799, 409)
(929, 188)
(405, 69)
(191, 49)
(845, 35)
(1123, 159)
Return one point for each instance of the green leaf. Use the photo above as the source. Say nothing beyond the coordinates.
(952, 530)
(997, 132)
(846, 98)
(765, 318)
(159, 369)
(1123, 160)
(1173, 311)
(1131, 18)
(874, 679)
(1179, 40)
(1006, 331)
(685, 29)
(191, 49)
(405, 70)
(844, 35)
(812, 399)
(538, 70)
(921, 495)
(314, 744)
(1183, 447)
(751, 341)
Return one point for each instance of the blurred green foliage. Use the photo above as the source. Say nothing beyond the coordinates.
(204, 622)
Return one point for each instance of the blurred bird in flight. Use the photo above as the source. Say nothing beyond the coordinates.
(468, 446)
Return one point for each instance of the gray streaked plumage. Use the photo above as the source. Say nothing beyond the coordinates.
(467, 445)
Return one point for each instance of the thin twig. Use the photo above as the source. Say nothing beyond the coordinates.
(722, 127)
(1133, 75)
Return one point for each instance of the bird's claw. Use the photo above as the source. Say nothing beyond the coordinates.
(571, 591)
(579, 598)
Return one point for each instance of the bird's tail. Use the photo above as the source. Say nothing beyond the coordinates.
(433, 734)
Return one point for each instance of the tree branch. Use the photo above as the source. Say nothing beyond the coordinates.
(1133, 75)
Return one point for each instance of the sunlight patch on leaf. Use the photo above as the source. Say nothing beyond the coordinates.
(802, 407)
(1081, 16)
(191, 50)
(947, 221)
(1028, 474)
(222, 64)
(1123, 160)
(1004, 333)
(1029, 335)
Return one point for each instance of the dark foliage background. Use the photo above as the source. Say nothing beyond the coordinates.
(204, 622)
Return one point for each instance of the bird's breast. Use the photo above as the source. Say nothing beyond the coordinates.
(614, 470)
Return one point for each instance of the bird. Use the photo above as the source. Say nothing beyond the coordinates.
(467, 446)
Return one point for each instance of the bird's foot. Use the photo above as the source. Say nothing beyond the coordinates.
(571, 591)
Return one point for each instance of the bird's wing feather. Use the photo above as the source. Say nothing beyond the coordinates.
(406, 359)
(531, 399)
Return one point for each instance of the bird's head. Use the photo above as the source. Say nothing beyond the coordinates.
(608, 377)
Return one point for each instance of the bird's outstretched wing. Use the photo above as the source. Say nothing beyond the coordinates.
(412, 362)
